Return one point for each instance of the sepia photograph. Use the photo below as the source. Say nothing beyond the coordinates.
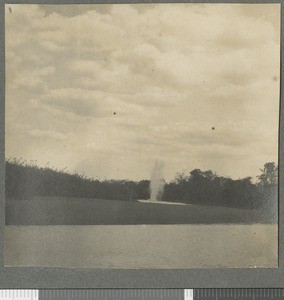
(142, 136)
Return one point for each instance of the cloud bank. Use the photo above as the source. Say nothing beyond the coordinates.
(108, 89)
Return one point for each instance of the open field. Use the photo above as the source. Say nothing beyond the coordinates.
(143, 246)
(77, 211)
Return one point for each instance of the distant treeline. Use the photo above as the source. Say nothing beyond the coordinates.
(25, 181)
(207, 188)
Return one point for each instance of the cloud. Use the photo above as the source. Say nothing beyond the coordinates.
(87, 103)
(46, 135)
(110, 88)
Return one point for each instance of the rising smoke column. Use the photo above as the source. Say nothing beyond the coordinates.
(157, 181)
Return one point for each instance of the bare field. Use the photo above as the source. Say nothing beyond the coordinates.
(80, 211)
(143, 246)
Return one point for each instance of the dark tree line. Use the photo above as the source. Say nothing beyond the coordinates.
(207, 188)
(25, 181)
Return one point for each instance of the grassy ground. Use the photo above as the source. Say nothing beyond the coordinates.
(143, 246)
(77, 211)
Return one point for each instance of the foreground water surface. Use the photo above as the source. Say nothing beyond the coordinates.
(143, 246)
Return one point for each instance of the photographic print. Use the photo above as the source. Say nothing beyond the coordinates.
(142, 136)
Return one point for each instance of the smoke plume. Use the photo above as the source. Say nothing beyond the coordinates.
(157, 181)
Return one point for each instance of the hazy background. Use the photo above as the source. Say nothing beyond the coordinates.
(108, 89)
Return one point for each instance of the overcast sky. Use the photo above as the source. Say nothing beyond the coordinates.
(108, 89)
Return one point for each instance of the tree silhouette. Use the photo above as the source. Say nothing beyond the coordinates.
(269, 176)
